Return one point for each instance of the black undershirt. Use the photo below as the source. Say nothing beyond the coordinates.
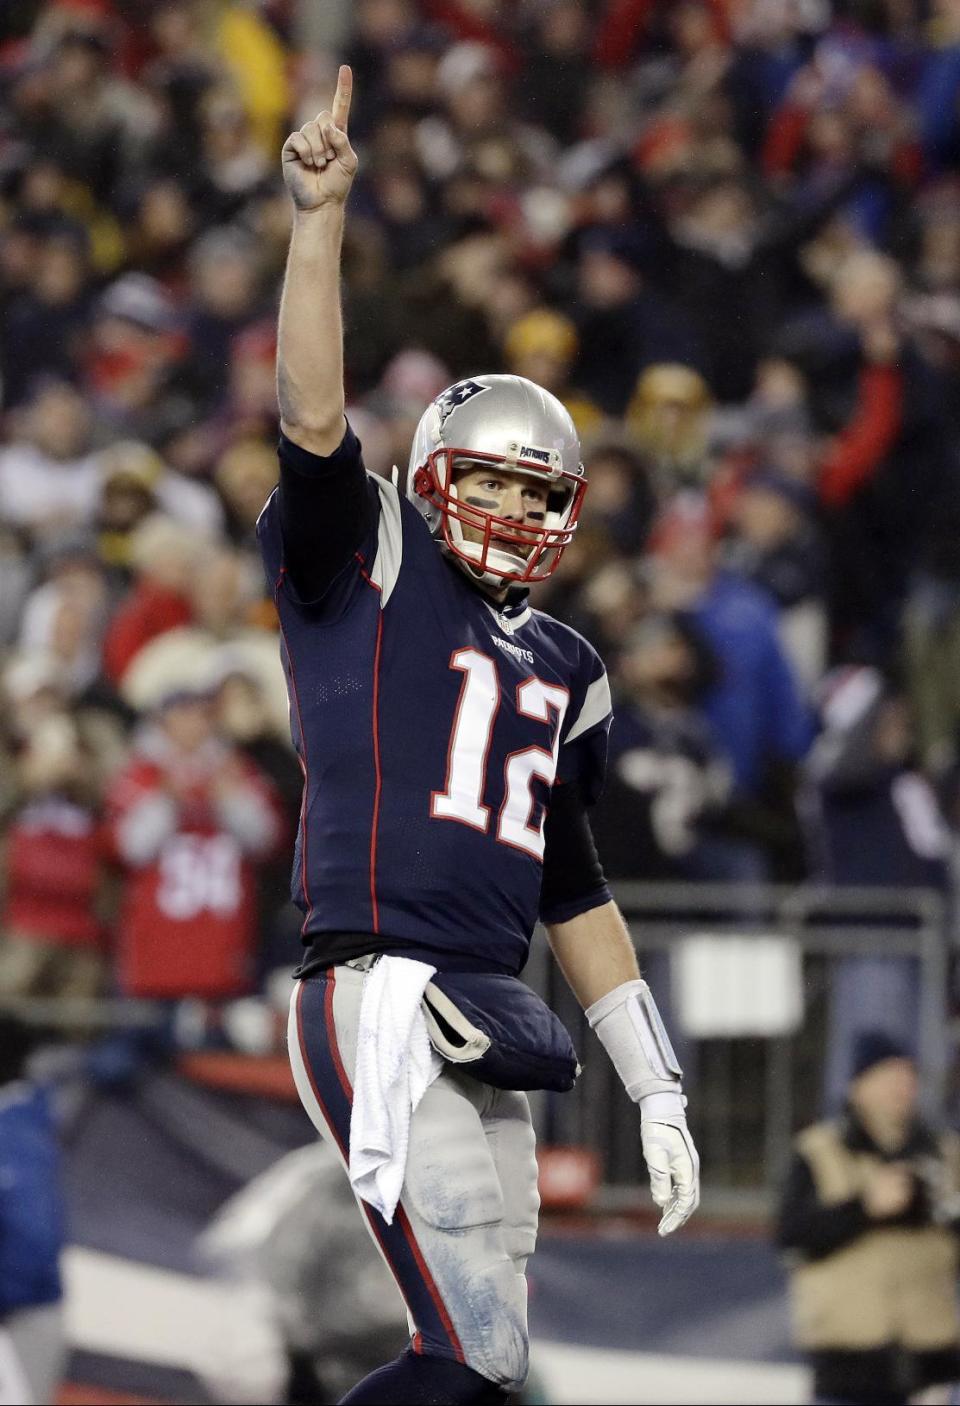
(326, 512)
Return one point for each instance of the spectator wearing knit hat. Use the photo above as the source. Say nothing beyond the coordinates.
(870, 1214)
(542, 345)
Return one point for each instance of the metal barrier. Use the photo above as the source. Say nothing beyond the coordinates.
(748, 1096)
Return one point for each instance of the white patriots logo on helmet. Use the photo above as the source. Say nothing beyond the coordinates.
(456, 395)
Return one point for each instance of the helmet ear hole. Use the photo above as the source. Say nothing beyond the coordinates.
(423, 482)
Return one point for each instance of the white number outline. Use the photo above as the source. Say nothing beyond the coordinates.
(442, 802)
(549, 706)
(199, 874)
(553, 709)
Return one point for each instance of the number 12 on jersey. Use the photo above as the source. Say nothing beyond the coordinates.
(469, 747)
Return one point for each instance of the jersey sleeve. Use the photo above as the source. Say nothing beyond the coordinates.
(582, 760)
(320, 523)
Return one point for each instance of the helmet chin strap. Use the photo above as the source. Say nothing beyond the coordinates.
(504, 560)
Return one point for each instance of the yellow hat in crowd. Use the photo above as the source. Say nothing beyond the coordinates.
(541, 332)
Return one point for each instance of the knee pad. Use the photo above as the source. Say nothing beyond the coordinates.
(495, 1300)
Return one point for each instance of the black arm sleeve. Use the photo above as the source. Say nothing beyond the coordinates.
(804, 1224)
(325, 512)
(573, 878)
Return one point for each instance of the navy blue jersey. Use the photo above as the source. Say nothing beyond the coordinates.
(431, 726)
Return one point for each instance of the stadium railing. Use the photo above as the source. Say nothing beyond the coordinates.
(748, 1092)
(751, 1085)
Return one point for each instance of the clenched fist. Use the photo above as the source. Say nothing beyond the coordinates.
(319, 163)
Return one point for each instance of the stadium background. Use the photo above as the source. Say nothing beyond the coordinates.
(727, 234)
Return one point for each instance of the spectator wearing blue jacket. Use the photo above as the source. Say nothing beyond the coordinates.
(31, 1228)
(755, 706)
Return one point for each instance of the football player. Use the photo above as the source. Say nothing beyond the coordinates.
(451, 739)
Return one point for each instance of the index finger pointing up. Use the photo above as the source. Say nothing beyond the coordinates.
(341, 101)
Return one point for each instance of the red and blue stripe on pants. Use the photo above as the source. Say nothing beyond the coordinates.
(330, 1085)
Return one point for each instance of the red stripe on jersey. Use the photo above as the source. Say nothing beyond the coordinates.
(378, 774)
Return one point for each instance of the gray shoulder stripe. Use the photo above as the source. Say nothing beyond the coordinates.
(273, 494)
(386, 568)
(596, 705)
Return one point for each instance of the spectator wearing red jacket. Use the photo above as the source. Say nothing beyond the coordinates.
(190, 820)
(51, 934)
(163, 555)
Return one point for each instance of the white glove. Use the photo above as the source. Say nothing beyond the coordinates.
(671, 1158)
(628, 1024)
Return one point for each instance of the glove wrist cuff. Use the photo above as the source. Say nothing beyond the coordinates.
(629, 1027)
(663, 1105)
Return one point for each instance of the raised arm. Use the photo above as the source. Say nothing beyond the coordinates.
(319, 165)
(324, 507)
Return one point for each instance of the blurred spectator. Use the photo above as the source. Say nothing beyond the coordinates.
(253, 55)
(190, 821)
(135, 478)
(127, 498)
(96, 124)
(225, 300)
(226, 610)
(65, 615)
(557, 72)
(733, 266)
(52, 941)
(233, 165)
(132, 358)
(938, 87)
(625, 322)
(476, 123)
(32, 1230)
(246, 719)
(159, 239)
(246, 475)
(873, 821)
(542, 345)
(773, 541)
(870, 1213)
(755, 707)
(48, 476)
(621, 502)
(14, 582)
(888, 451)
(661, 813)
(45, 327)
(163, 557)
(668, 416)
(326, 1306)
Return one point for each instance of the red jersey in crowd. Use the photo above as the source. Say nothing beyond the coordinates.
(190, 828)
(53, 869)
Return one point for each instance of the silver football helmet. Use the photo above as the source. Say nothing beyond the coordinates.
(508, 421)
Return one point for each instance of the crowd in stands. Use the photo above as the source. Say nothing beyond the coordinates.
(726, 233)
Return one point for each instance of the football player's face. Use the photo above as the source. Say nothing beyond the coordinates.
(495, 490)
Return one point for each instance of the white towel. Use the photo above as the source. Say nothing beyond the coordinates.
(396, 1064)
